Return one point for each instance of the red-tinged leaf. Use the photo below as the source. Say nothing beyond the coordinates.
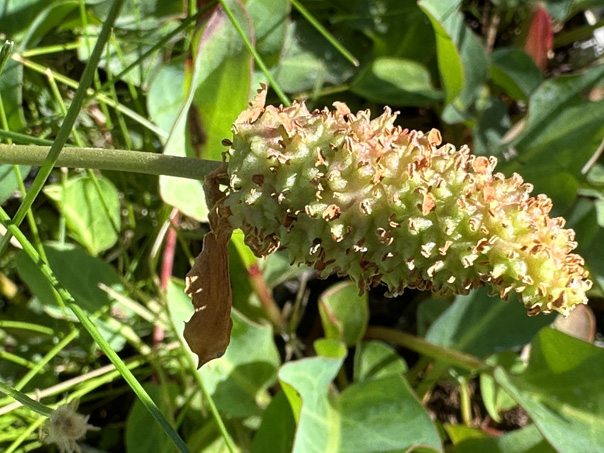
(540, 39)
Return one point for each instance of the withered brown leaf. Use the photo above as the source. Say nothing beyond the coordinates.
(208, 332)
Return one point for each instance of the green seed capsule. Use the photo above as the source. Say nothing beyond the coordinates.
(365, 198)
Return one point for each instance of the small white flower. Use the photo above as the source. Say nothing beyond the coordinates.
(64, 427)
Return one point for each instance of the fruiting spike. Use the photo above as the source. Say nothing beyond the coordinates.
(382, 204)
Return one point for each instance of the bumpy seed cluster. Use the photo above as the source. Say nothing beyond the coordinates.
(365, 198)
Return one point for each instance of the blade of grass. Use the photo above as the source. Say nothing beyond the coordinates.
(70, 118)
(98, 96)
(25, 400)
(6, 324)
(25, 139)
(5, 52)
(282, 96)
(47, 358)
(111, 159)
(328, 36)
(184, 24)
(94, 333)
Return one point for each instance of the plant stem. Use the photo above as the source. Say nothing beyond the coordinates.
(110, 159)
(417, 344)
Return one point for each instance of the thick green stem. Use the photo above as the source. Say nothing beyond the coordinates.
(110, 159)
(417, 344)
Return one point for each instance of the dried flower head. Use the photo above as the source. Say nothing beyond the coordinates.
(362, 197)
(64, 427)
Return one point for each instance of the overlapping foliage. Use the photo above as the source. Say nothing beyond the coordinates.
(312, 366)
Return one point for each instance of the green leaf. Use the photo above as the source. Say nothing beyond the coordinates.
(374, 415)
(8, 180)
(344, 314)
(330, 348)
(276, 433)
(398, 28)
(140, 437)
(480, 325)
(562, 129)
(396, 81)
(238, 380)
(384, 415)
(166, 93)
(447, 24)
(81, 274)
(270, 18)
(560, 390)
(428, 311)
(376, 360)
(515, 72)
(305, 383)
(11, 94)
(17, 15)
(309, 62)
(217, 102)
(217, 46)
(526, 440)
(46, 20)
(85, 214)
(495, 399)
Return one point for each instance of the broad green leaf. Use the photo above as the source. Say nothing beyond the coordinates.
(330, 348)
(559, 9)
(218, 44)
(269, 19)
(217, 102)
(140, 14)
(140, 436)
(11, 94)
(179, 304)
(459, 433)
(344, 314)
(428, 311)
(374, 415)
(447, 24)
(515, 72)
(384, 414)
(397, 28)
(495, 399)
(8, 180)
(17, 16)
(491, 124)
(81, 274)
(239, 379)
(305, 383)
(562, 129)
(85, 213)
(244, 298)
(376, 360)
(166, 94)
(277, 269)
(309, 62)
(525, 440)
(480, 325)
(560, 390)
(48, 19)
(276, 433)
(396, 81)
